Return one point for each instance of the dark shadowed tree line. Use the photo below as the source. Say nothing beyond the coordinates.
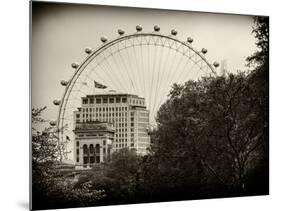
(51, 190)
(211, 140)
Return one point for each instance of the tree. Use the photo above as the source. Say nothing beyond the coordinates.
(216, 128)
(259, 81)
(118, 178)
(260, 58)
(50, 189)
(213, 125)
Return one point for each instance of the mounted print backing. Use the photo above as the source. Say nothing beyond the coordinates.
(135, 105)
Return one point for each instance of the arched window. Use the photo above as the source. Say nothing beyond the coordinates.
(85, 155)
(97, 148)
(92, 150)
(85, 150)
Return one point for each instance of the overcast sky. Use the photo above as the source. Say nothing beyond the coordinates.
(60, 33)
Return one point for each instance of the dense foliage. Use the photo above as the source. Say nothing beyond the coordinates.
(50, 189)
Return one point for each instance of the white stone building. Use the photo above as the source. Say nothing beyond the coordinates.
(93, 143)
(126, 113)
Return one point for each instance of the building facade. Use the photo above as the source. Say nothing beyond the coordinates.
(126, 113)
(93, 143)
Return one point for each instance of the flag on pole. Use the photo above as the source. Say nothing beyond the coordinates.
(99, 86)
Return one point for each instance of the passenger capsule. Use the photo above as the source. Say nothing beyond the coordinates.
(88, 50)
(216, 64)
(53, 123)
(139, 28)
(156, 28)
(64, 83)
(190, 39)
(174, 32)
(204, 50)
(56, 102)
(103, 39)
(75, 65)
(121, 32)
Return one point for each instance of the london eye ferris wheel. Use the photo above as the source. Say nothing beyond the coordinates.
(141, 63)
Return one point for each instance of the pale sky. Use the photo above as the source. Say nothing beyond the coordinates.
(61, 32)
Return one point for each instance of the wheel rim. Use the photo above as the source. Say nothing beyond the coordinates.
(178, 56)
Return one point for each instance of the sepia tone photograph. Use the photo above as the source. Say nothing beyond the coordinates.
(138, 105)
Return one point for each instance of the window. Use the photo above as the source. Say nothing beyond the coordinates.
(77, 152)
(104, 100)
(77, 115)
(124, 100)
(85, 149)
(85, 161)
(91, 148)
(118, 100)
(97, 148)
(77, 159)
(91, 100)
(85, 101)
(111, 100)
(98, 100)
(77, 143)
